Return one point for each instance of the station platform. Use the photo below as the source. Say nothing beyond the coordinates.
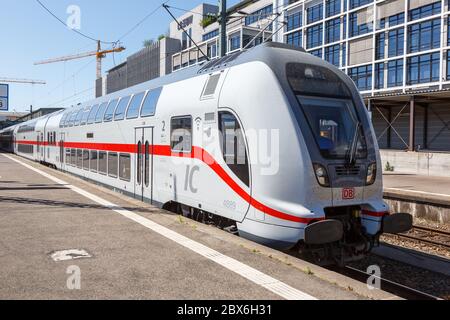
(426, 197)
(135, 251)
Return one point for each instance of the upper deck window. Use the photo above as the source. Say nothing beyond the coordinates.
(135, 106)
(85, 116)
(121, 109)
(151, 100)
(78, 117)
(101, 112)
(109, 114)
(92, 114)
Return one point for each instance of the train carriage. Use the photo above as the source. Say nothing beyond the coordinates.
(272, 143)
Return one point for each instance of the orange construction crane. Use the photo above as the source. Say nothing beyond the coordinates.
(100, 54)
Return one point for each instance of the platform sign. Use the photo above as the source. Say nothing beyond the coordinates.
(4, 97)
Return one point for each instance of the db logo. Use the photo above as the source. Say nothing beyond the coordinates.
(348, 193)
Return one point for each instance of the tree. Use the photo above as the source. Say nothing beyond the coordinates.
(208, 20)
(162, 36)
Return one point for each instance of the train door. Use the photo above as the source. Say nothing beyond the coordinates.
(143, 177)
(62, 151)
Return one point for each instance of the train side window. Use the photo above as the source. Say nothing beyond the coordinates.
(135, 106)
(94, 161)
(181, 134)
(121, 108)
(233, 146)
(102, 164)
(54, 138)
(63, 120)
(72, 119)
(101, 112)
(112, 164)
(68, 157)
(79, 158)
(85, 116)
(150, 102)
(125, 167)
(109, 114)
(78, 118)
(92, 114)
(73, 157)
(147, 164)
(86, 160)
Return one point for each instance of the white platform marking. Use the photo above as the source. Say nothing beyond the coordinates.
(279, 288)
(73, 254)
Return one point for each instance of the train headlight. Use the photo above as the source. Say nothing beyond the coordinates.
(321, 175)
(371, 174)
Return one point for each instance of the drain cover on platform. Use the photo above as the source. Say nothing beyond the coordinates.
(72, 254)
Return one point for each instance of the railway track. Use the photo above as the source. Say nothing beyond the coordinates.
(429, 236)
(395, 288)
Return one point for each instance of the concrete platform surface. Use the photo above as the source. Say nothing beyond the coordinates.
(135, 251)
(435, 190)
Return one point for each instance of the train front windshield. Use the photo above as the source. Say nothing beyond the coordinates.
(327, 105)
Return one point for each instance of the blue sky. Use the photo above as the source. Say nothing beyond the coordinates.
(30, 34)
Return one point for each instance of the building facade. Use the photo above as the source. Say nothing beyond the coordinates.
(396, 51)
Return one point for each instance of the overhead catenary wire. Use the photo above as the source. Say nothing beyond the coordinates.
(74, 30)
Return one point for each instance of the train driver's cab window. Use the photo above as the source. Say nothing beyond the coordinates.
(151, 100)
(135, 106)
(233, 146)
(121, 109)
(109, 114)
(181, 134)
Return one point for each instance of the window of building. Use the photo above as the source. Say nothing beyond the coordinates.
(423, 68)
(94, 161)
(235, 42)
(362, 76)
(396, 19)
(80, 158)
(121, 108)
(333, 30)
(233, 146)
(112, 164)
(314, 13)
(210, 35)
(109, 113)
(358, 3)
(314, 36)
(395, 73)
(125, 167)
(379, 76)
(358, 26)
(448, 65)
(150, 102)
(344, 27)
(102, 162)
(92, 114)
(396, 42)
(344, 55)
(294, 39)
(424, 36)
(380, 45)
(86, 160)
(317, 53)
(181, 134)
(259, 15)
(425, 11)
(212, 50)
(332, 54)
(135, 106)
(332, 7)
(294, 21)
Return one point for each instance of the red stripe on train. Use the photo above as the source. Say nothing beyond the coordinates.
(197, 153)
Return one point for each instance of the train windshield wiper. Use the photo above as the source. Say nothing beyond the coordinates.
(351, 154)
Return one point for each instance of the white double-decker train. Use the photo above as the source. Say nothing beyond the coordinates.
(272, 143)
